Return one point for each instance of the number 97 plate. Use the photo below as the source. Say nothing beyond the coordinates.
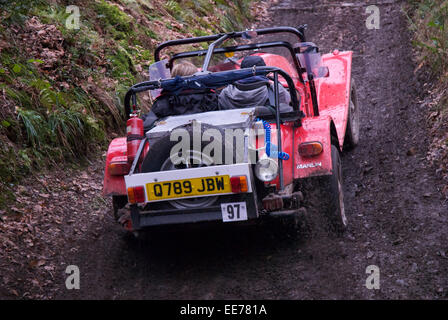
(234, 211)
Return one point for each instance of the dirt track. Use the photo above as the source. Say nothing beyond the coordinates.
(398, 220)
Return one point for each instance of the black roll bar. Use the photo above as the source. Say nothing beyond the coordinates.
(252, 46)
(232, 35)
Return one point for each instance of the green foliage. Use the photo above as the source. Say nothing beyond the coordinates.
(21, 97)
(53, 114)
(5, 124)
(35, 126)
(199, 32)
(121, 64)
(113, 19)
(237, 14)
(71, 130)
(204, 6)
(16, 12)
(68, 129)
(51, 99)
(430, 25)
(150, 33)
(174, 8)
(54, 14)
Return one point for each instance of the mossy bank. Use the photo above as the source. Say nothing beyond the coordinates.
(64, 70)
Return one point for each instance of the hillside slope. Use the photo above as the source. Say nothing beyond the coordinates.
(62, 83)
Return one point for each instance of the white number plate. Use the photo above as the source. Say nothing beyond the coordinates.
(234, 211)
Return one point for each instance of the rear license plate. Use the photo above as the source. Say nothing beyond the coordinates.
(188, 187)
(234, 211)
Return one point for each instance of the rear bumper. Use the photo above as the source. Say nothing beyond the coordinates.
(150, 218)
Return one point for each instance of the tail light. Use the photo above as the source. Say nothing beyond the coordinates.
(310, 149)
(119, 166)
(239, 184)
(136, 194)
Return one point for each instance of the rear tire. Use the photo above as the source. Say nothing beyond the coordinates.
(118, 202)
(352, 131)
(332, 195)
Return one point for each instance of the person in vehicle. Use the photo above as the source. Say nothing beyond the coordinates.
(183, 69)
(253, 91)
(185, 102)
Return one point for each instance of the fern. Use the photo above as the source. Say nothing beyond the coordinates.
(35, 126)
(69, 128)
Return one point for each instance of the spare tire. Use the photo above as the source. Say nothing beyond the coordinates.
(159, 157)
(332, 195)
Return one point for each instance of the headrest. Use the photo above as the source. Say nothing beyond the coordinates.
(250, 61)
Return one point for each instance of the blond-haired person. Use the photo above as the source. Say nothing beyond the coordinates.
(183, 69)
(185, 102)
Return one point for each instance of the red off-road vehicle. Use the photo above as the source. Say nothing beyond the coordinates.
(234, 165)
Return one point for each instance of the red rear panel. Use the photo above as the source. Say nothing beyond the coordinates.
(313, 129)
(114, 185)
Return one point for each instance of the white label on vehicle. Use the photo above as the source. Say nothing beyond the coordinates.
(234, 211)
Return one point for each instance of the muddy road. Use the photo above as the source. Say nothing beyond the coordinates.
(398, 220)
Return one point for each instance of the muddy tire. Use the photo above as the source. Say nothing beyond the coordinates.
(332, 196)
(352, 131)
(118, 202)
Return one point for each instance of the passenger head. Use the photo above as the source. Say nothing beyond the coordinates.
(250, 61)
(183, 69)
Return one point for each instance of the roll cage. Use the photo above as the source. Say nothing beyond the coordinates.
(245, 47)
(220, 38)
(300, 47)
(299, 32)
(205, 79)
